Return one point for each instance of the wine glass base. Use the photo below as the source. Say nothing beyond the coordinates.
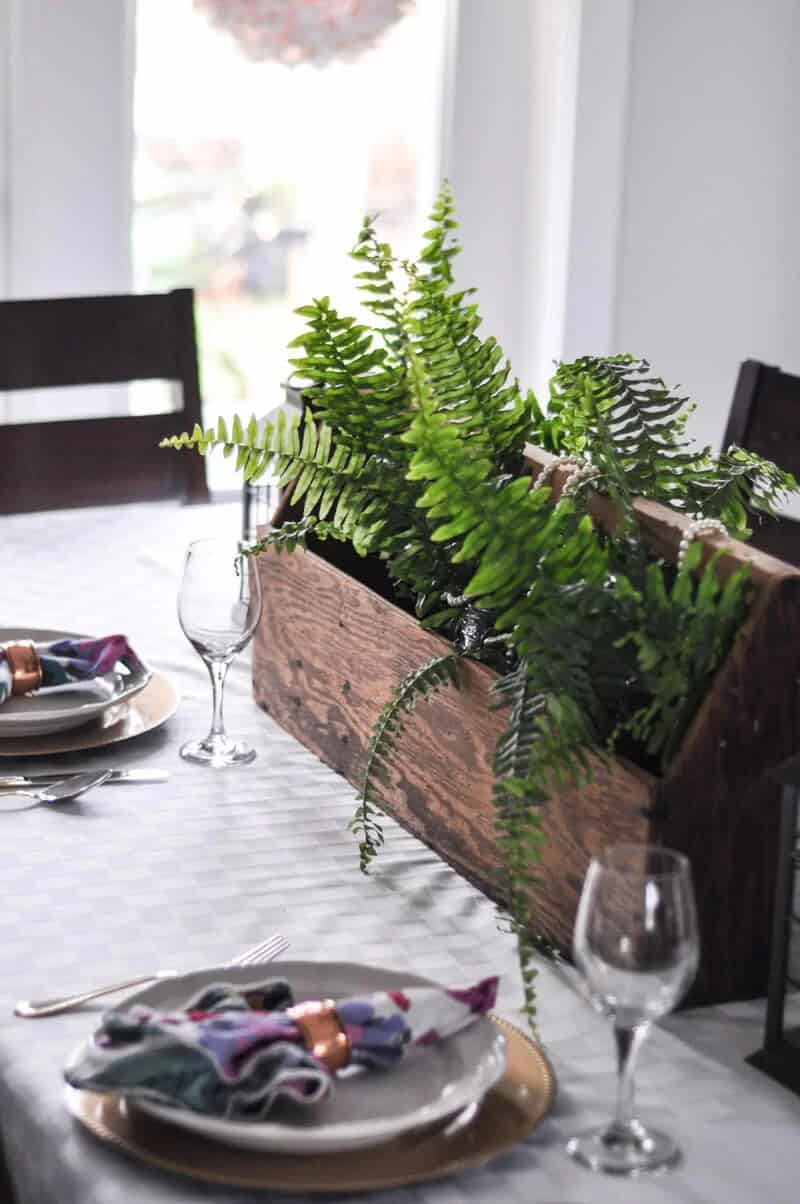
(218, 752)
(630, 1151)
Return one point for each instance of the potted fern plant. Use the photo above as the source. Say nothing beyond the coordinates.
(570, 584)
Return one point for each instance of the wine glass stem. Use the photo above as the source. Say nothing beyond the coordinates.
(218, 671)
(628, 1040)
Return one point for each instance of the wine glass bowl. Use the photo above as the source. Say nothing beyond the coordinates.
(219, 605)
(636, 946)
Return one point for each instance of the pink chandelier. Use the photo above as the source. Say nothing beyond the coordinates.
(303, 31)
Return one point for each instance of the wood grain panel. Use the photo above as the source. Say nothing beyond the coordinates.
(721, 810)
(324, 672)
(662, 529)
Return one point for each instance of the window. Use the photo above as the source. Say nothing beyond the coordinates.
(251, 178)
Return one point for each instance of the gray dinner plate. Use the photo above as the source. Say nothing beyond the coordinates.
(368, 1107)
(46, 714)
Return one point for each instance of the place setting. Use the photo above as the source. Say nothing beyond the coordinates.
(300, 1076)
(64, 691)
(318, 1076)
(67, 692)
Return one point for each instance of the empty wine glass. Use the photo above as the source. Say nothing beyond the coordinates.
(636, 945)
(219, 605)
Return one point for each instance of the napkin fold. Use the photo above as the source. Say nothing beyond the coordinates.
(70, 664)
(234, 1051)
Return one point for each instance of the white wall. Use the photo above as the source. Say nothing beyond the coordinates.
(508, 156)
(486, 154)
(627, 174)
(709, 256)
(65, 162)
(68, 192)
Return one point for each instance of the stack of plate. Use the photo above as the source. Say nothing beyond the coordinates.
(35, 725)
(451, 1105)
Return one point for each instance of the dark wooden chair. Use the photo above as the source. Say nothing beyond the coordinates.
(64, 341)
(765, 418)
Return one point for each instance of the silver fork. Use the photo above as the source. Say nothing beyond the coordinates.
(31, 1009)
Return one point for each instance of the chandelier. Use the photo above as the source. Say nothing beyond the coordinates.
(293, 32)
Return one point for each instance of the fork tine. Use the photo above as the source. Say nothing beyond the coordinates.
(267, 954)
(255, 950)
(250, 955)
(262, 952)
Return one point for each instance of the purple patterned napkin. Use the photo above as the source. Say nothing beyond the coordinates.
(67, 664)
(233, 1051)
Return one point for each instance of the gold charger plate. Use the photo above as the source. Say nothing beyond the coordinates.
(148, 709)
(508, 1114)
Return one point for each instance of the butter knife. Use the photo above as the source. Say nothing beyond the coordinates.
(8, 781)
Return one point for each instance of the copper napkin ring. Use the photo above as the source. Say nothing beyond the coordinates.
(26, 668)
(322, 1032)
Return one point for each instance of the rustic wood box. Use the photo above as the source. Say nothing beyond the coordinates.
(330, 650)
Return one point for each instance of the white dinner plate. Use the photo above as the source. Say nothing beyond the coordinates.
(49, 713)
(368, 1107)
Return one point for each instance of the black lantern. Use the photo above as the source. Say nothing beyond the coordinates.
(780, 1056)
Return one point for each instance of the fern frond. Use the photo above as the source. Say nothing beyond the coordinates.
(340, 483)
(469, 377)
(543, 748)
(681, 636)
(513, 537)
(354, 386)
(440, 246)
(420, 683)
(737, 484)
(377, 283)
(292, 535)
(631, 423)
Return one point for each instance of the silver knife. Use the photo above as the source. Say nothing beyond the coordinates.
(8, 781)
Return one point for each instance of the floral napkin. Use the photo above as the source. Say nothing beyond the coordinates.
(233, 1051)
(67, 664)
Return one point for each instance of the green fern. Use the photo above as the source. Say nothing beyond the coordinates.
(339, 482)
(411, 450)
(292, 535)
(420, 683)
(634, 429)
(351, 383)
(468, 377)
(377, 284)
(681, 637)
(632, 425)
(737, 486)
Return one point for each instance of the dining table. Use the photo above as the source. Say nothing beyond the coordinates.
(188, 872)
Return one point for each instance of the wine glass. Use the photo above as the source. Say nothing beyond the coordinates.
(219, 605)
(637, 947)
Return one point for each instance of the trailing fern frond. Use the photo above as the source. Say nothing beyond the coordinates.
(292, 535)
(543, 748)
(420, 683)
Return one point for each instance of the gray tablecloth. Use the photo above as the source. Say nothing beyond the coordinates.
(189, 872)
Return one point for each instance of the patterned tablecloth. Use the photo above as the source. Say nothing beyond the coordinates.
(187, 873)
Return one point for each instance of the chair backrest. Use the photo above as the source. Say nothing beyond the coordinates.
(765, 418)
(65, 341)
